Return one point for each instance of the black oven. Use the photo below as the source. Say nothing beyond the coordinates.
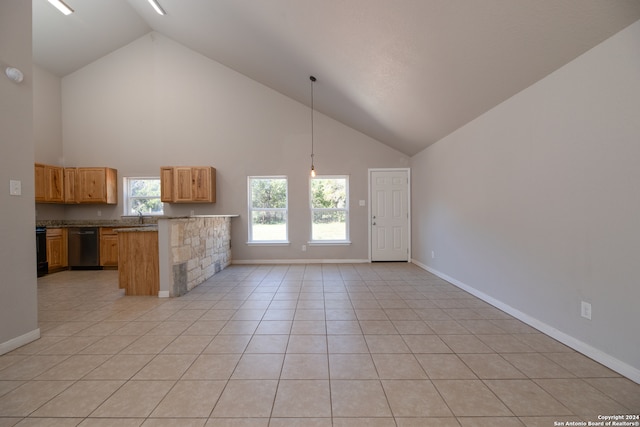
(41, 250)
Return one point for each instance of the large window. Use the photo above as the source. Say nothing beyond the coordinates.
(268, 209)
(142, 196)
(330, 209)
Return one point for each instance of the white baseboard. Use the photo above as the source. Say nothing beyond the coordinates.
(16, 342)
(163, 294)
(598, 355)
(299, 261)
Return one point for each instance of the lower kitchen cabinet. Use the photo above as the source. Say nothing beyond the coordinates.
(57, 249)
(108, 247)
(138, 262)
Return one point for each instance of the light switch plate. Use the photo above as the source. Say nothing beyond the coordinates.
(15, 187)
(362, 202)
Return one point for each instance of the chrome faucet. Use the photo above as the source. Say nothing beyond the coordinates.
(140, 217)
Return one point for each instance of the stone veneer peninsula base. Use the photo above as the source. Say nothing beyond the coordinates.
(191, 250)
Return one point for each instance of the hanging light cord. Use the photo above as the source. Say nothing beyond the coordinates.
(313, 79)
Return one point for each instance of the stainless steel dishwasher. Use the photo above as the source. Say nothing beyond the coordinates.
(84, 247)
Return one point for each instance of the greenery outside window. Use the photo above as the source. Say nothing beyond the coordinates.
(329, 209)
(142, 196)
(268, 209)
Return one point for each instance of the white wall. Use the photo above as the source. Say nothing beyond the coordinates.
(536, 204)
(18, 286)
(156, 103)
(47, 117)
(47, 130)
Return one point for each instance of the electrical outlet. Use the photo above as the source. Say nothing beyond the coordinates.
(585, 310)
(99, 213)
(304, 248)
(433, 254)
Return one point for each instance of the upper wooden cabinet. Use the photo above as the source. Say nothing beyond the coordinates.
(166, 184)
(95, 185)
(54, 184)
(70, 175)
(49, 187)
(188, 184)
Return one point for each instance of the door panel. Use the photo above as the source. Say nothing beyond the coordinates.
(390, 215)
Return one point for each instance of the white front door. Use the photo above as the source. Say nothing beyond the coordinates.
(390, 232)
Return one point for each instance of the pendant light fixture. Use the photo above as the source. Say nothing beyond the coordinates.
(313, 169)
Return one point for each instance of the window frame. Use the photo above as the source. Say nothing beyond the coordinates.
(346, 210)
(251, 209)
(127, 198)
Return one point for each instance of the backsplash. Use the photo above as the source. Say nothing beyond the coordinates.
(124, 221)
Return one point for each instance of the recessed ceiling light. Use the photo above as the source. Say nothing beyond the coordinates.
(157, 7)
(61, 6)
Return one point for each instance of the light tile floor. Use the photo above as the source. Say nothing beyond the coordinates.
(293, 345)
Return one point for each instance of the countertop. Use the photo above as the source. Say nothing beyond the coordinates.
(150, 227)
(199, 216)
(126, 221)
(93, 223)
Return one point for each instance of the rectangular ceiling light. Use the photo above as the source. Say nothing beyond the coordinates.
(61, 6)
(157, 7)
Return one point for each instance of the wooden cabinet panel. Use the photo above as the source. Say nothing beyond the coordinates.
(166, 184)
(54, 189)
(108, 247)
(70, 176)
(203, 184)
(91, 185)
(39, 182)
(96, 185)
(57, 249)
(49, 183)
(182, 185)
(188, 184)
(138, 262)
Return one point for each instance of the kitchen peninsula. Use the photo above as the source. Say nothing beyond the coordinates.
(168, 258)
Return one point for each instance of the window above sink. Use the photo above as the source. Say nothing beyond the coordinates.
(142, 196)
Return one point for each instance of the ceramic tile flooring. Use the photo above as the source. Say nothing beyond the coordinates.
(295, 345)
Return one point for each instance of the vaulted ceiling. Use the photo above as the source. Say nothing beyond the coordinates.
(405, 72)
